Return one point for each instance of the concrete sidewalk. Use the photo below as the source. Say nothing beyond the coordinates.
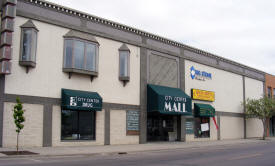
(115, 149)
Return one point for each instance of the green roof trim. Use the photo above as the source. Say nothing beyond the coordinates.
(167, 100)
(204, 110)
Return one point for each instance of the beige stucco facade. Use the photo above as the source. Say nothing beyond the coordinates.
(254, 89)
(32, 133)
(49, 62)
(118, 129)
(232, 127)
(228, 87)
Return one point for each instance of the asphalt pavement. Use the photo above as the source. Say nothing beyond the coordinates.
(250, 154)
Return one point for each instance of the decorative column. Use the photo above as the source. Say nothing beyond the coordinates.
(7, 28)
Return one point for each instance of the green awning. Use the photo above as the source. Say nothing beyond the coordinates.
(204, 110)
(166, 100)
(80, 100)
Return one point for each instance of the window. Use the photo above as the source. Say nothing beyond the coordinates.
(274, 93)
(28, 44)
(78, 125)
(199, 131)
(269, 95)
(124, 64)
(80, 54)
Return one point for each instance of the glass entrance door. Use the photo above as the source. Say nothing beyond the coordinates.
(159, 126)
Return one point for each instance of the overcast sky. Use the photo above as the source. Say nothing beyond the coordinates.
(240, 30)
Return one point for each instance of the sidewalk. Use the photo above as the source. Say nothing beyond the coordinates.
(115, 149)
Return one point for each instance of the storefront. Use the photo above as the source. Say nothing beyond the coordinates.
(165, 107)
(144, 79)
(78, 114)
(203, 113)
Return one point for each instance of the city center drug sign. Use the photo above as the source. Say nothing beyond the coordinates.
(80, 100)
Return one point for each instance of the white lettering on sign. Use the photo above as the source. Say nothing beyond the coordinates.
(177, 107)
(73, 101)
(87, 105)
(86, 102)
(199, 75)
(167, 106)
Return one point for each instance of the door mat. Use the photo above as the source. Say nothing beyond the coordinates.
(18, 153)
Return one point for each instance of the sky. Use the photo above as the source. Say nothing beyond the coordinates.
(239, 30)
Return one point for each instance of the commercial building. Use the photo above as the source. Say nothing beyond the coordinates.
(85, 80)
(270, 92)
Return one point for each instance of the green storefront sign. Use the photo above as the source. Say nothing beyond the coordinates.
(166, 100)
(80, 100)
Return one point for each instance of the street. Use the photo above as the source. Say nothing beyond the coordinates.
(222, 155)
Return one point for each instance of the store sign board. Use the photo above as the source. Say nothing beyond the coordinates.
(132, 117)
(198, 94)
(199, 74)
(174, 104)
(80, 100)
(189, 126)
(167, 100)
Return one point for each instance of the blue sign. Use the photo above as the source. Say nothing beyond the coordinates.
(199, 75)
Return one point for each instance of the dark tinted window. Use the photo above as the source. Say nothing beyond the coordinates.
(78, 125)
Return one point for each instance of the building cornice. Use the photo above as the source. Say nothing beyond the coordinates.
(106, 22)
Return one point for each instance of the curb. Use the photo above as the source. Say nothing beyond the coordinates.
(134, 151)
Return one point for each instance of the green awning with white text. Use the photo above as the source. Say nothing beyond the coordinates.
(167, 100)
(80, 100)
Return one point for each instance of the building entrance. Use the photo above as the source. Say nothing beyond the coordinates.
(161, 127)
(272, 126)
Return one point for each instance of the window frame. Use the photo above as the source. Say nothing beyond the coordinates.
(32, 58)
(203, 134)
(269, 92)
(73, 69)
(124, 49)
(127, 77)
